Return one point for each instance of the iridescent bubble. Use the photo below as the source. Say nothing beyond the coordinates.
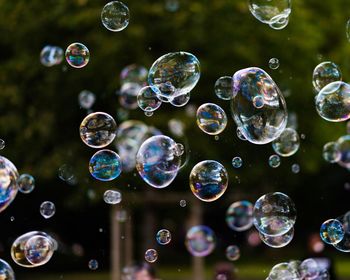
(240, 135)
(174, 74)
(295, 168)
(211, 118)
(134, 74)
(274, 161)
(8, 183)
(6, 271)
(344, 244)
(324, 74)
(51, 55)
(233, 253)
(278, 241)
(105, 165)
(223, 88)
(331, 152)
(208, 180)
(239, 216)
(183, 203)
(181, 100)
(115, 16)
(77, 55)
(163, 237)
(47, 209)
(269, 11)
(274, 214)
(112, 197)
(98, 130)
(2, 144)
(309, 269)
(287, 144)
(86, 99)
(147, 99)
(332, 102)
(151, 255)
(157, 161)
(258, 124)
(283, 271)
(66, 172)
(237, 162)
(274, 63)
(128, 95)
(200, 241)
(26, 183)
(280, 22)
(93, 264)
(343, 144)
(332, 231)
(258, 102)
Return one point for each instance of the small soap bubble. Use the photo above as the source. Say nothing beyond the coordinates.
(47, 209)
(274, 63)
(233, 253)
(331, 152)
(332, 231)
(223, 88)
(172, 5)
(115, 16)
(128, 95)
(77, 55)
(343, 144)
(181, 100)
(237, 162)
(51, 55)
(258, 102)
(324, 74)
(66, 172)
(200, 241)
(280, 22)
(26, 183)
(134, 74)
(239, 216)
(86, 99)
(179, 149)
(12, 218)
(93, 264)
(148, 114)
(287, 144)
(268, 11)
(38, 250)
(2, 144)
(211, 118)
(105, 165)
(176, 127)
(147, 99)
(183, 203)
(274, 161)
(151, 255)
(295, 168)
(278, 241)
(163, 237)
(112, 197)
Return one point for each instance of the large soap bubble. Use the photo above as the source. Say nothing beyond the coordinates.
(258, 106)
(6, 271)
(105, 165)
(8, 183)
(333, 102)
(174, 74)
(324, 74)
(211, 118)
(270, 11)
(274, 214)
(115, 16)
(200, 241)
(278, 241)
(158, 161)
(239, 216)
(287, 144)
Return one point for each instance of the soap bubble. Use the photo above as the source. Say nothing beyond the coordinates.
(158, 161)
(348, 30)
(274, 161)
(181, 100)
(344, 244)
(86, 99)
(332, 231)
(115, 16)
(258, 124)
(324, 74)
(274, 63)
(278, 241)
(47, 209)
(8, 183)
(163, 237)
(223, 88)
(112, 197)
(172, 5)
(287, 144)
(240, 135)
(183, 203)
(128, 95)
(237, 162)
(332, 102)
(331, 152)
(98, 130)
(269, 11)
(26, 183)
(77, 55)
(233, 253)
(208, 180)
(134, 74)
(309, 269)
(343, 144)
(2, 144)
(274, 214)
(66, 172)
(283, 271)
(211, 118)
(147, 99)
(105, 165)
(295, 168)
(176, 127)
(174, 74)
(93, 264)
(239, 216)
(280, 22)
(200, 241)
(51, 55)
(151, 255)
(6, 271)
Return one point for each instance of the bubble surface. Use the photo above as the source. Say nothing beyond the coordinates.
(151, 255)
(6, 271)
(269, 11)
(77, 55)
(223, 88)
(105, 165)
(332, 231)
(239, 216)
(331, 152)
(211, 118)
(163, 237)
(280, 22)
(233, 253)
(287, 144)
(274, 161)
(51, 55)
(278, 241)
(8, 183)
(200, 241)
(112, 197)
(147, 99)
(324, 74)
(47, 209)
(26, 183)
(115, 16)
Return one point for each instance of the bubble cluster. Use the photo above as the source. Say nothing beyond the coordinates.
(26, 183)
(147, 99)
(163, 237)
(331, 152)
(115, 16)
(47, 209)
(211, 118)
(287, 144)
(151, 255)
(51, 55)
(77, 55)
(274, 161)
(233, 253)
(200, 241)
(112, 197)
(86, 99)
(105, 165)
(6, 271)
(223, 88)
(278, 241)
(332, 231)
(324, 74)
(8, 183)
(274, 63)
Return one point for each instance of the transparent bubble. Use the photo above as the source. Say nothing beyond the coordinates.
(8, 183)
(51, 55)
(93, 264)
(66, 172)
(134, 74)
(208, 180)
(176, 127)
(157, 161)
(181, 100)
(183, 203)
(112, 197)
(233, 253)
(283, 271)
(26, 183)
(287, 144)
(348, 30)
(148, 114)
(211, 118)
(274, 63)
(86, 99)
(77, 55)
(223, 88)
(274, 161)
(331, 152)
(105, 165)
(2, 144)
(6, 271)
(277, 241)
(274, 214)
(98, 130)
(240, 135)
(237, 162)
(174, 74)
(151, 255)
(172, 5)
(47, 209)
(258, 102)
(324, 74)
(343, 144)
(332, 231)
(239, 216)
(128, 95)
(332, 102)
(280, 22)
(269, 11)
(309, 269)
(163, 237)
(115, 16)
(344, 244)
(200, 241)
(147, 99)
(295, 168)
(259, 125)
